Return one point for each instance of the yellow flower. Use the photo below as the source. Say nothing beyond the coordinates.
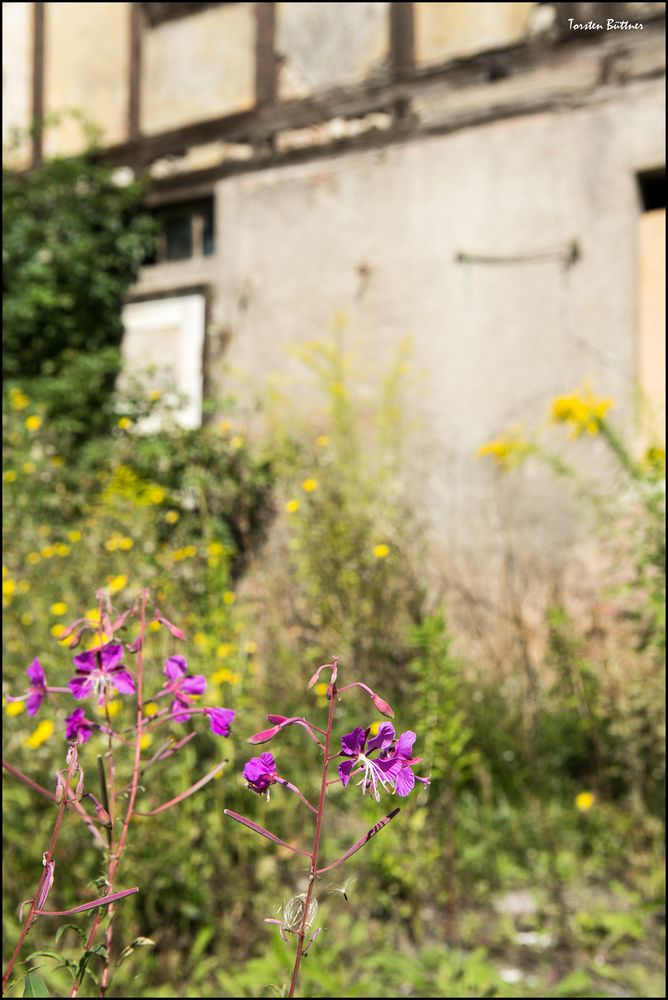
(125, 544)
(229, 597)
(74, 536)
(8, 588)
(5, 572)
(199, 638)
(93, 615)
(292, 506)
(33, 423)
(97, 639)
(9, 476)
(309, 485)
(322, 441)
(156, 495)
(27, 619)
(44, 731)
(18, 399)
(251, 648)
(57, 630)
(112, 708)
(57, 461)
(154, 626)
(155, 395)
(151, 709)
(374, 727)
(124, 423)
(15, 707)
(145, 741)
(225, 425)
(236, 441)
(172, 516)
(29, 468)
(381, 551)
(33, 558)
(508, 451)
(321, 689)
(61, 549)
(111, 544)
(222, 676)
(224, 650)
(584, 801)
(583, 410)
(59, 608)
(216, 549)
(116, 584)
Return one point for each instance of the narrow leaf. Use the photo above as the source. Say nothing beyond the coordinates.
(104, 901)
(34, 986)
(263, 833)
(189, 791)
(362, 841)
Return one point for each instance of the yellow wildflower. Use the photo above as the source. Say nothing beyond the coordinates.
(57, 630)
(251, 648)
(33, 422)
(222, 676)
(154, 626)
(583, 410)
(125, 544)
(508, 451)
(93, 614)
(321, 689)
(216, 549)
(59, 608)
(5, 572)
(111, 544)
(74, 536)
(61, 549)
(124, 423)
(112, 709)
(15, 708)
(229, 597)
(145, 741)
(225, 425)
(8, 588)
(57, 461)
(18, 399)
(584, 801)
(9, 476)
(322, 440)
(381, 551)
(116, 583)
(44, 731)
(29, 468)
(236, 441)
(292, 506)
(33, 558)
(155, 395)
(97, 639)
(309, 485)
(374, 727)
(224, 650)
(156, 495)
(151, 709)
(199, 639)
(172, 516)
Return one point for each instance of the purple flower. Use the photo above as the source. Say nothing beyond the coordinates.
(399, 762)
(260, 772)
(220, 720)
(78, 726)
(98, 670)
(182, 685)
(390, 769)
(37, 689)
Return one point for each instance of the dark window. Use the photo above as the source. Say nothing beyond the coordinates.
(185, 231)
(652, 184)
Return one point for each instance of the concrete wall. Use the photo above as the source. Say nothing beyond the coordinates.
(376, 235)
(17, 56)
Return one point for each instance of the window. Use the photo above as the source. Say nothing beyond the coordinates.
(184, 231)
(651, 344)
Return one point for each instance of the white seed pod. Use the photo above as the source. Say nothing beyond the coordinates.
(293, 912)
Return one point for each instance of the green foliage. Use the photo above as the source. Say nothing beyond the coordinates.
(73, 242)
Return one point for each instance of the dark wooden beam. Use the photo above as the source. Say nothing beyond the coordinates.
(402, 37)
(265, 57)
(134, 97)
(38, 84)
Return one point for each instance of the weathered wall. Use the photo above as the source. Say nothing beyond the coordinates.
(198, 67)
(454, 30)
(17, 19)
(376, 235)
(87, 52)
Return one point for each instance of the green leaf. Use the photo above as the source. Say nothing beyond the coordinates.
(74, 927)
(34, 986)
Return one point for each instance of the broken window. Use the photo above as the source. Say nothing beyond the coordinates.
(651, 345)
(184, 231)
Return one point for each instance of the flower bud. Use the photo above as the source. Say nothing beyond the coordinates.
(265, 735)
(382, 706)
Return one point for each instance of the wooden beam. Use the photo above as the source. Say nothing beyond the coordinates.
(402, 37)
(38, 84)
(134, 97)
(265, 57)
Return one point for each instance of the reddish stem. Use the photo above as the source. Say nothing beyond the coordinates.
(47, 858)
(316, 838)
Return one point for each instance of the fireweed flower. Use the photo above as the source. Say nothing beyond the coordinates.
(183, 686)
(98, 670)
(37, 689)
(392, 767)
(260, 773)
(220, 720)
(78, 727)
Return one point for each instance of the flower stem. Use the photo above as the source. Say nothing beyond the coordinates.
(316, 839)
